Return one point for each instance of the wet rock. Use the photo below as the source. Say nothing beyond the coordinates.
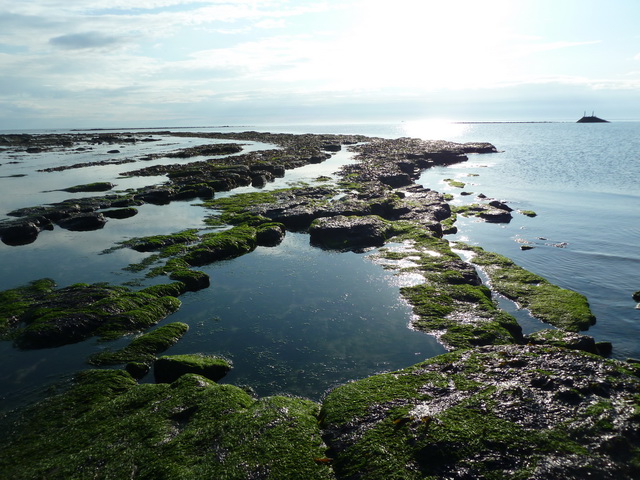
(39, 316)
(495, 215)
(490, 412)
(121, 213)
(560, 338)
(194, 280)
(500, 205)
(83, 222)
(19, 233)
(169, 368)
(342, 232)
(270, 234)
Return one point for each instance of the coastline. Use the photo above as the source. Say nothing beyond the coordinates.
(383, 197)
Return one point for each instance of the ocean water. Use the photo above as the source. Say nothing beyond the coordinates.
(296, 319)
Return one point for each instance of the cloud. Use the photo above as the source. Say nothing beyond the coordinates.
(81, 41)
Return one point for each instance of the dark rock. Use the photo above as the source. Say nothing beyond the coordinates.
(137, 369)
(121, 213)
(342, 232)
(500, 205)
(113, 151)
(168, 369)
(636, 296)
(193, 279)
(19, 233)
(495, 215)
(561, 338)
(83, 222)
(270, 235)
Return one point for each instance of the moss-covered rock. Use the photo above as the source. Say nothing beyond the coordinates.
(194, 280)
(560, 307)
(169, 368)
(503, 412)
(90, 187)
(108, 427)
(39, 316)
(144, 348)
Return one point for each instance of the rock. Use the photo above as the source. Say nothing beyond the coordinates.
(636, 296)
(19, 233)
(560, 338)
(193, 279)
(169, 368)
(270, 234)
(500, 205)
(495, 215)
(342, 232)
(137, 369)
(83, 222)
(121, 213)
(491, 412)
(39, 316)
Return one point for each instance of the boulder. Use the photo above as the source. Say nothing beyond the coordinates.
(343, 232)
(121, 213)
(19, 233)
(270, 234)
(83, 222)
(169, 368)
(561, 338)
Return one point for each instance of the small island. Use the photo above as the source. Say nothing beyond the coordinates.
(591, 119)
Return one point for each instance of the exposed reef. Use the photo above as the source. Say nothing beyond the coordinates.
(499, 405)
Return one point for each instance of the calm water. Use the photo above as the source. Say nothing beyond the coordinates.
(297, 319)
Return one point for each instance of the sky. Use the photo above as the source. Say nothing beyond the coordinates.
(154, 63)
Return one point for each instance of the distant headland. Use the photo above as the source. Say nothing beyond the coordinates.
(591, 119)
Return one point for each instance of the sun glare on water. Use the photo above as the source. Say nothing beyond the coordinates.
(433, 129)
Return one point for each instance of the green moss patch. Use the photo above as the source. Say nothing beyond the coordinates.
(454, 183)
(486, 412)
(144, 348)
(108, 427)
(40, 316)
(169, 368)
(90, 187)
(560, 307)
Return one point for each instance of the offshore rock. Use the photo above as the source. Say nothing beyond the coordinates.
(491, 412)
(19, 233)
(83, 222)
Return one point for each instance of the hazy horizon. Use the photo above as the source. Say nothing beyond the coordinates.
(105, 64)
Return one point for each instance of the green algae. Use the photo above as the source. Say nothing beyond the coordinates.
(90, 187)
(108, 427)
(38, 315)
(451, 303)
(169, 368)
(559, 307)
(454, 183)
(143, 349)
(528, 213)
(454, 414)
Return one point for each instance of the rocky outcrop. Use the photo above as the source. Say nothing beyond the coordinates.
(489, 412)
(342, 232)
(40, 316)
(169, 368)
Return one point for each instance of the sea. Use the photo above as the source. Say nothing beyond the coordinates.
(298, 320)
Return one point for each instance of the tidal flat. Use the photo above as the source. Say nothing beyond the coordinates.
(500, 404)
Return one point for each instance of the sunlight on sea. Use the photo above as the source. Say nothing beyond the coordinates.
(434, 129)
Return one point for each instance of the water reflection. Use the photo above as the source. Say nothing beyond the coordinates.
(434, 129)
